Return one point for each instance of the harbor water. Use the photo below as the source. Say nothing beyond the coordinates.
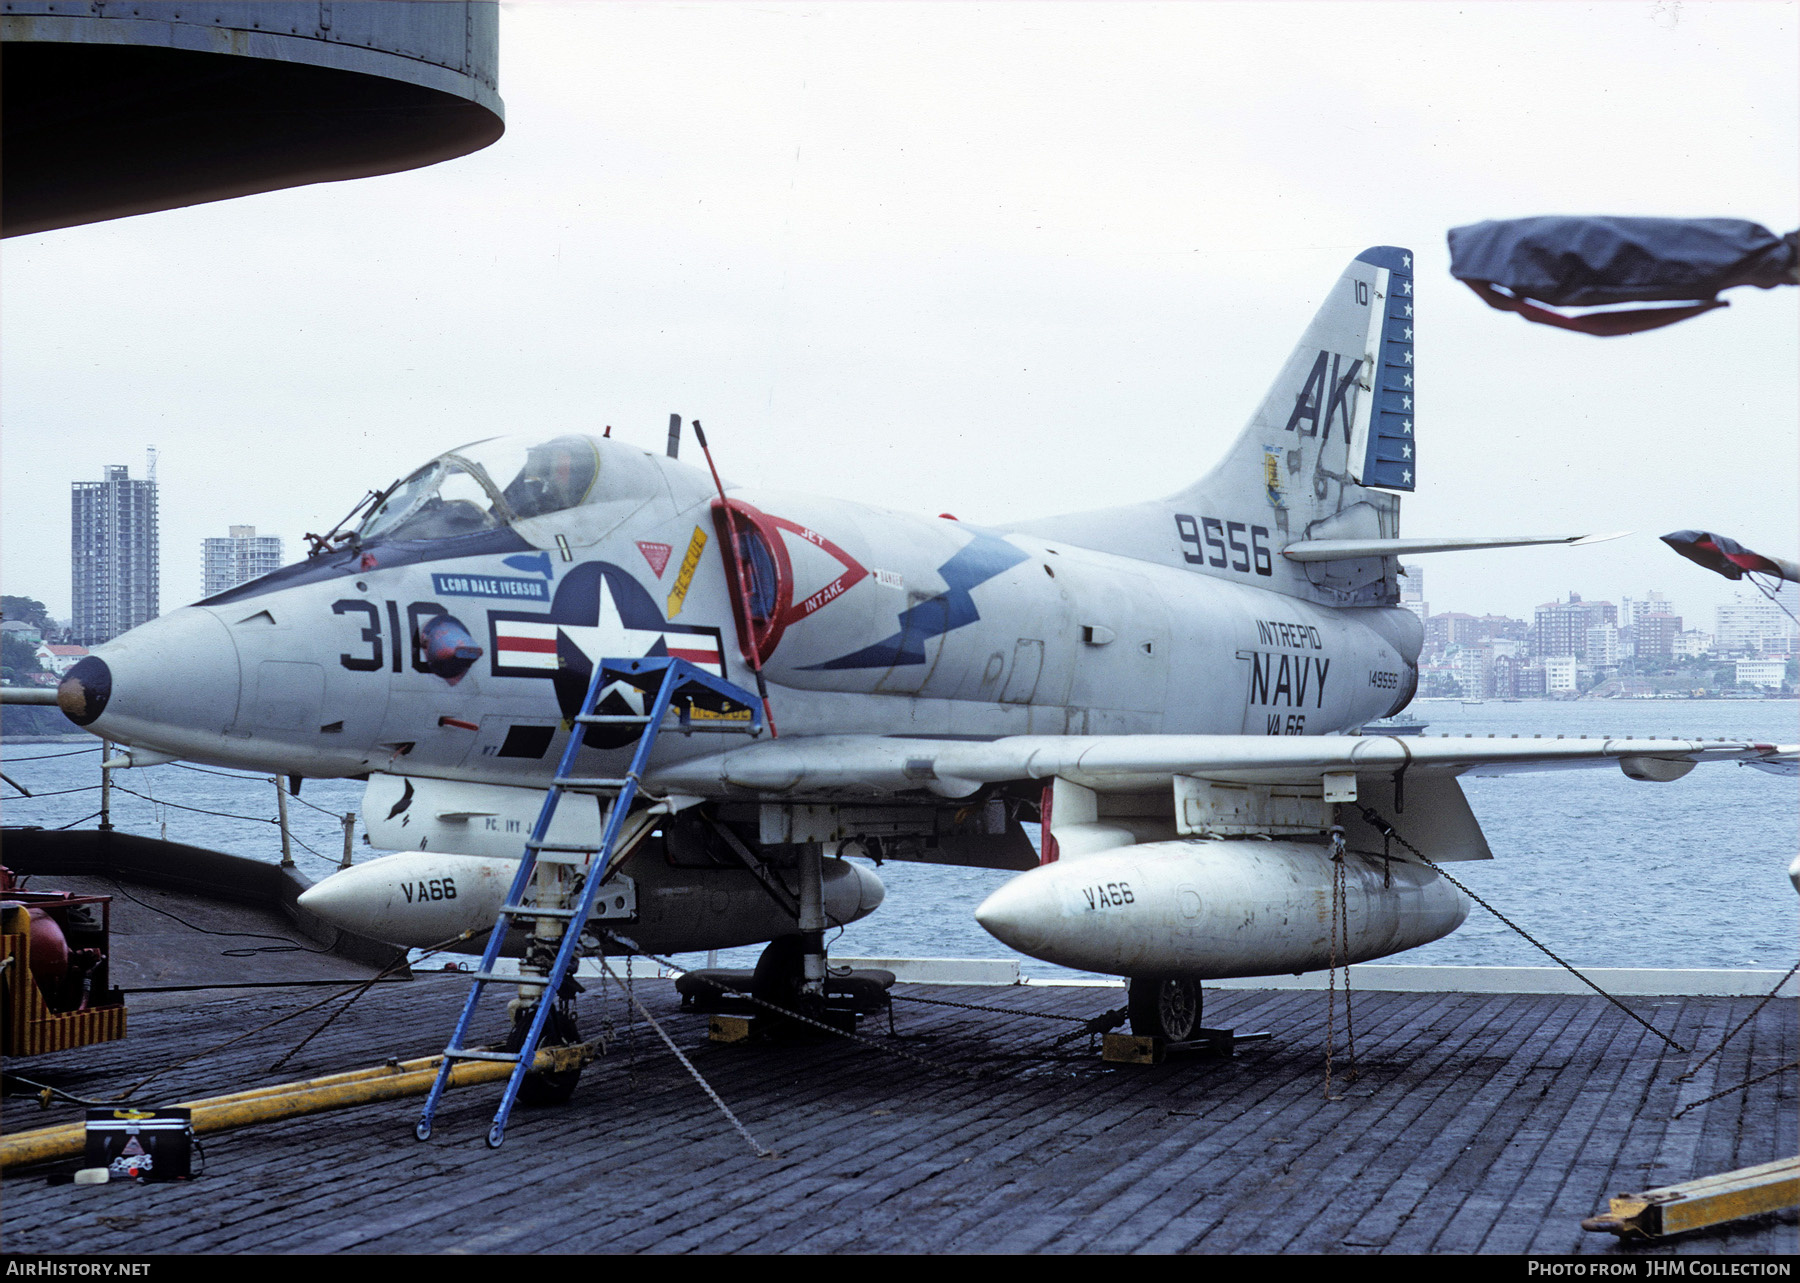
(1606, 871)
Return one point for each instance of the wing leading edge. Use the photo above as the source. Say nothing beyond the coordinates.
(869, 767)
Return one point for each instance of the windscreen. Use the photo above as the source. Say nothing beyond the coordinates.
(484, 486)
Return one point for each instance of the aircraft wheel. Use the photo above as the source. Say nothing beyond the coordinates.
(780, 972)
(1166, 1009)
(559, 1031)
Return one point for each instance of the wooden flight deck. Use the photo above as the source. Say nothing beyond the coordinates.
(1479, 1123)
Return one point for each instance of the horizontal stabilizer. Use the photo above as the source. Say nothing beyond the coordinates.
(1348, 549)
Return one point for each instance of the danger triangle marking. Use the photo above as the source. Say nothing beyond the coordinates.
(657, 554)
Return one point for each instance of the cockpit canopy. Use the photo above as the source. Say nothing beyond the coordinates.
(484, 486)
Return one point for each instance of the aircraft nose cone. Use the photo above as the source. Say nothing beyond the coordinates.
(171, 683)
(85, 690)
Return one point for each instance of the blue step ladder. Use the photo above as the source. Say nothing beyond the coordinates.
(703, 703)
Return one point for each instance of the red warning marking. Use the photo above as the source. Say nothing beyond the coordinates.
(764, 633)
(657, 554)
(459, 723)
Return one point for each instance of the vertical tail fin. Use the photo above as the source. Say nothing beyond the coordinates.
(1334, 431)
(1331, 437)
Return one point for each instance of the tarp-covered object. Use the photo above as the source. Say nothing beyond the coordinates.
(1583, 262)
(1728, 557)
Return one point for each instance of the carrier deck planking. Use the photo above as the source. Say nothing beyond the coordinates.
(1481, 1123)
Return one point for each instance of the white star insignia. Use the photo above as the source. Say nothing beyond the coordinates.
(1406, 452)
(1409, 358)
(1409, 333)
(1406, 287)
(1407, 379)
(1408, 311)
(1406, 424)
(1406, 475)
(1406, 403)
(608, 637)
(1406, 260)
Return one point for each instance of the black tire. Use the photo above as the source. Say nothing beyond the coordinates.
(780, 972)
(559, 1031)
(1166, 1009)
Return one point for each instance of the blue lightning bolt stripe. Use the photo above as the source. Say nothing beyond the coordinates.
(976, 563)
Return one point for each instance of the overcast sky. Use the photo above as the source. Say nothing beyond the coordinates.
(996, 260)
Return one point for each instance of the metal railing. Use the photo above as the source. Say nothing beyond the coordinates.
(110, 763)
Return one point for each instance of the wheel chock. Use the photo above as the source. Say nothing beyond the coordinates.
(1711, 1200)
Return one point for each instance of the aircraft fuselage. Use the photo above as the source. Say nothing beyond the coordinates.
(872, 622)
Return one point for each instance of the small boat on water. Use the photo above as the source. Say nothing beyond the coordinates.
(1401, 724)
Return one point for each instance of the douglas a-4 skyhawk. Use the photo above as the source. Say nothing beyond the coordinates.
(1166, 686)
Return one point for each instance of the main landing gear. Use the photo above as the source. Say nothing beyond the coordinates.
(1166, 1009)
(1165, 1017)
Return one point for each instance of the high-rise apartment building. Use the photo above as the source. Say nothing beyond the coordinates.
(1751, 626)
(1603, 646)
(114, 561)
(1561, 627)
(241, 556)
(1655, 637)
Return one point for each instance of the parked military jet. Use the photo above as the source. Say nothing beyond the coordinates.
(1166, 687)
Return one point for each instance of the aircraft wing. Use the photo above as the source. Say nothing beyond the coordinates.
(871, 767)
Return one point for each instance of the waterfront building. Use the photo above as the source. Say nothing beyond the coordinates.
(1761, 672)
(1603, 646)
(1692, 643)
(241, 556)
(59, 659)
(1470, 664)
(1412, 591)
(1560, 628)
(1503, 675)
(1497, 628)
(1655, 637)
(114, 554)
(1651, 603)
(1560, 675)
(1451, 628)
(1751, 624)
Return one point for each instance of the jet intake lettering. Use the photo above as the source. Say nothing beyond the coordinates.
(829, 593)
(1285, 681)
